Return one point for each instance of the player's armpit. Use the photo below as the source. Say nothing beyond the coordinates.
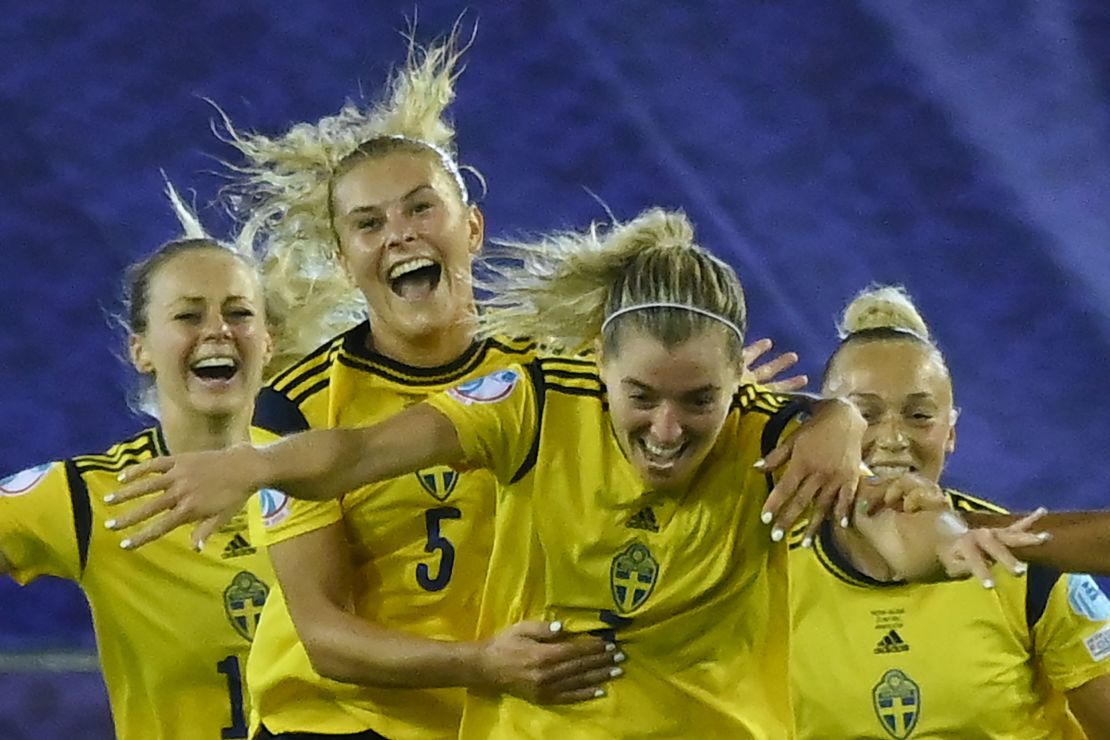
(1090, 703)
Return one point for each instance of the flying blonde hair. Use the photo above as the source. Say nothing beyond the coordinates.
(561, 288)
(282, 191)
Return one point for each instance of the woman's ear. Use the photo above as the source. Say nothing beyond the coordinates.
(139, 357)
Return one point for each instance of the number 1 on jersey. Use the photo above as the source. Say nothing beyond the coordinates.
(229, 666)
(436, 541)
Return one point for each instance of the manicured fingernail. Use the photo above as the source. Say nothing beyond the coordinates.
(759, 464)
(555, 626)
(126, 544)
(1040, 511)
(807, 542)
(598, 693)
(1044, 536)
(766, 517)
(109, 498)
(618, 671)
(610, 647)
(1020, 569)
(866, 470)
(110, 524)
(988, 583)
(844, 522)
(119, 477)
(619, 658)
(200, 545)
(777, 534)
(873, 478)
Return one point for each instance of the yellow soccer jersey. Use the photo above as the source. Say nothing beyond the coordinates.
(420, 542)
(173, 626)
(946, 660)
(691, 586)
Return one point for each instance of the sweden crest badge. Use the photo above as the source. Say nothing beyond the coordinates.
(438, 481)
(243, 602)
(632, 577)
(897, 701)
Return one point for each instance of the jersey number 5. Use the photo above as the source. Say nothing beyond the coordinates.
(436, 541)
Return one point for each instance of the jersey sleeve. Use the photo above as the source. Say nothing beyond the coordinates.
(496, 417)
(273, 516)
(1072, 634)
(39, 534)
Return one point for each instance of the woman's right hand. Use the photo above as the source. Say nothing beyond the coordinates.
(538, 662)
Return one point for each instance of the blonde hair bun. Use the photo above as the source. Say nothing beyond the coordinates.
(883, 307)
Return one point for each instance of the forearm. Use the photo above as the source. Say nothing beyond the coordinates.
(326, 463)
(1079, 543)
(344, 647)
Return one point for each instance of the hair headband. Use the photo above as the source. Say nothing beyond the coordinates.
(683, 306)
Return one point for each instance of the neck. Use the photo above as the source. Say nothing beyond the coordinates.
(194, 432)
(858, 551)
(430, 350)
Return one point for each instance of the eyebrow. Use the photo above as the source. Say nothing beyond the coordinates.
(377, 206)
(919, 396)
(709, 388)
(201, 299)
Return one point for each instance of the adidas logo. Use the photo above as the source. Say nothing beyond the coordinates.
(892, 642)
(643, 519)
(238, 547)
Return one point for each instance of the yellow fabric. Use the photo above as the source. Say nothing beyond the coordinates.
(420, 544)
(693, 585)
(173, 626)
(948, 660)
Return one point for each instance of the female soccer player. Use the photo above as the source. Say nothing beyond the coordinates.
(934, 660)
(173, 626)
(367, 213)
(632, 485)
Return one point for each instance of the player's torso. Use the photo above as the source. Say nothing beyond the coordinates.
(949, 660)
(174, 626)
(420, 545)
(688, 583)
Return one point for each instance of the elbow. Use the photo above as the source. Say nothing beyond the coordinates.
(326, 659)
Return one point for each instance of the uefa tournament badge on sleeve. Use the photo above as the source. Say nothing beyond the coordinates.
(488, 389)
(24, 481)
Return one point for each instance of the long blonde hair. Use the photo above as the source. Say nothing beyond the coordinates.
(282, 191)
(560, 288)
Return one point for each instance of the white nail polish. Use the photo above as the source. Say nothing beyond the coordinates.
(759, 464)
(110, 524)
(126, 544)
(109, 498)
(555, 626)
(598, 693)
(807, 542)
(618, 671)
(619, 658)
(610, 647)
(766, 517)
(988, 583)
(777, 534)
(844, 522)
(1020, 569)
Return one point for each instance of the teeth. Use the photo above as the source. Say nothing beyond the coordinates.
(658, 451)
(889, 471)
(215, 362)
(405, 268)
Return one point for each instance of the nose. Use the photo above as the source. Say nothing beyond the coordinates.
(890, 435)
(400, 231)
(216, 325)
(666, 426)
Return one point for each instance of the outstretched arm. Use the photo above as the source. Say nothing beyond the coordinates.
(1079, 541)
(1090, 703)
(209, 487)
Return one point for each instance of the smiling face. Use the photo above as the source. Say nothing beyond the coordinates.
(205, 340)
(904, 392)
(407, 240)
(668, 404)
